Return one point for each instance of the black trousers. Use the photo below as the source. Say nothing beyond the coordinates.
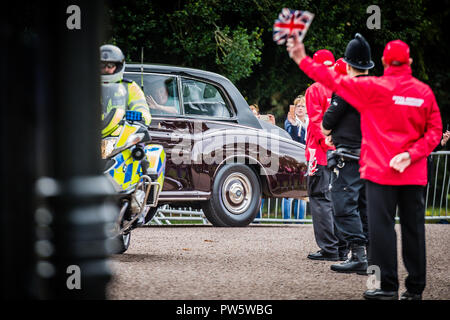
(382, 201)
(328, 237)
(348, 195)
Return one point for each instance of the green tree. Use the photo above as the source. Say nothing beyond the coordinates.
(234, 38)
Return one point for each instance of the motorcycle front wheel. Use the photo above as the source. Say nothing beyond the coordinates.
(121, 242)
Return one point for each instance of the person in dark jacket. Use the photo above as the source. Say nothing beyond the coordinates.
(401, 125)
(296, 124)
(342, 122)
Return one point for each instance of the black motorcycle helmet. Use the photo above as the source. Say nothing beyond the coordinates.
(357, 54)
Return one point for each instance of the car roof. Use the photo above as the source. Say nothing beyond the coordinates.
(244, 114)
(169, 69)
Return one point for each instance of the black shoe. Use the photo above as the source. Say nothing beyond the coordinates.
(410, 296)
(357, 262)
(379, 294)
(351, 266)
(320, 255)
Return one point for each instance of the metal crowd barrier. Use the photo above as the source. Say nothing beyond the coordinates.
(437, 192)
(282, 210)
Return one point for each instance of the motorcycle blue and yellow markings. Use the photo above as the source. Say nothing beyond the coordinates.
(128, 173)
(132, 175)
(162, 162)
(154, 148)
(160, 169)
(160, 179)
(119, 160)
(136, 172)
(160, 165)
(127, 131)
(155, 156)
(123, 170)
(139, 169)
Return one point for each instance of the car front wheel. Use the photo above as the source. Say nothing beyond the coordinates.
(235, 198)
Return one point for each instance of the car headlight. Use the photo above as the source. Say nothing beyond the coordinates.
(108, 146)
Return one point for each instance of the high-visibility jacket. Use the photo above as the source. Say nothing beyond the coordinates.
(126, 95)
(318, 99)
(398, 114)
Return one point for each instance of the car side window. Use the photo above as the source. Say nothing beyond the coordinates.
(161, 92)
(204, 99)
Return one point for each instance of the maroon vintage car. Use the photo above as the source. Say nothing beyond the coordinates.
(219, 156)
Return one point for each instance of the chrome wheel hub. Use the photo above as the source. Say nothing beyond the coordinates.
(236, 193)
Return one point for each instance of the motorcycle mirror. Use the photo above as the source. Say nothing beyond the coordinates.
(133, 115)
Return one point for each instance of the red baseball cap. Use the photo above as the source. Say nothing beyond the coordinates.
(340, 66)
(324, 57)
(396, 51)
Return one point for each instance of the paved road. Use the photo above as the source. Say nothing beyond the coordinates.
(257, 263)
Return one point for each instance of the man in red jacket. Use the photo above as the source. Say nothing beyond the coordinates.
(330, 241)
(401, 125)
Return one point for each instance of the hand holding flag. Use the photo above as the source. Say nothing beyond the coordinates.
(296, 49)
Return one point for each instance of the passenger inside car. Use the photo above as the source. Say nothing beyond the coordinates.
(161, 95)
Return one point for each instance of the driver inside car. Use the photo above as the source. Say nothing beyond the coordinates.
(118, 94)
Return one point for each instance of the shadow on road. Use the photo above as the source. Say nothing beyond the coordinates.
(140, 257)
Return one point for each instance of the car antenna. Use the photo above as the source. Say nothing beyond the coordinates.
(142, 68)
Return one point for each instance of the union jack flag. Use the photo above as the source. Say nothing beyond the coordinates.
(290, 22)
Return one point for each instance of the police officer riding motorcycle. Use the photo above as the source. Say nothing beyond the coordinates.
(133, 165)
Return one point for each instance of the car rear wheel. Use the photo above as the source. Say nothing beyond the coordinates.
(235, 198)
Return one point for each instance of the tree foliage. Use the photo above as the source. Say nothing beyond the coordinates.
(234, 38)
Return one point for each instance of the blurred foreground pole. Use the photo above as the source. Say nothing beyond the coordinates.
(54, 218)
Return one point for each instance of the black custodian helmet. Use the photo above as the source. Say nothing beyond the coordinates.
(357, 54)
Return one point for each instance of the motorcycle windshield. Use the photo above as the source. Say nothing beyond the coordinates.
(114, 102)
(114, 95)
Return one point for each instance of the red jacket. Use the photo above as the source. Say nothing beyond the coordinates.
(318, 100)
(398, 113)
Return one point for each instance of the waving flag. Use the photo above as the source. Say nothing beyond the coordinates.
(290, 22)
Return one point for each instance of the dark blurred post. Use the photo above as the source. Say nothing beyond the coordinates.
(16, 167)
(54, 215)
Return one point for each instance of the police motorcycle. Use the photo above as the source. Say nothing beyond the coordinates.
(136, 170)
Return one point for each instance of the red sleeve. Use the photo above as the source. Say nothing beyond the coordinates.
(315, 115)
(352, 90)
(432, 136)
